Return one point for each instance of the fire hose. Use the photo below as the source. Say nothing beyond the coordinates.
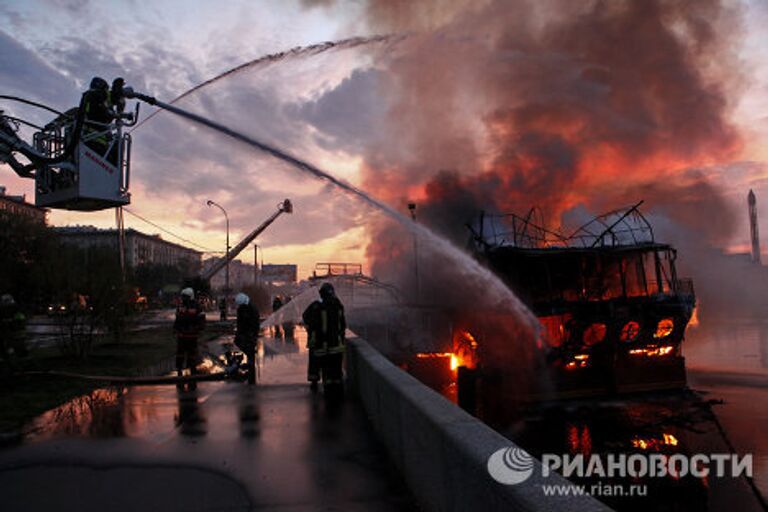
(129, 381)
(134, 380)
(33, 155)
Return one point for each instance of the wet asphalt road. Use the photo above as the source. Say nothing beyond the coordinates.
(225, 446)
(222, 446)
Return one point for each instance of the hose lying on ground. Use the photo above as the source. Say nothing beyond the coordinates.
(129, 381)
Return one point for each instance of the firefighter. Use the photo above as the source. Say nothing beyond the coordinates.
(98, 115)
(288, 327)
(13, 326)
(117, 96)
(326, 326)
(190, 321)
(247, 332)
(277, 303)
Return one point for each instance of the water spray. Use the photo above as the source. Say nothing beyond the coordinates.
(502, 296)
(298, 51)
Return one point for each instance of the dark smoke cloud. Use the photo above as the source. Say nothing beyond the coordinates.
(500, 106)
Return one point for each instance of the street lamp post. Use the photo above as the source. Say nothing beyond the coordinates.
(226, 254)
(412, 208)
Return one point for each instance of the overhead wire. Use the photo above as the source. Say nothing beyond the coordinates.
(169, 232)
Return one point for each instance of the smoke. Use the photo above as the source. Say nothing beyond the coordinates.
(501, 106)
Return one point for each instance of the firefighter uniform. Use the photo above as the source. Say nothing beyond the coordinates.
(247, 332)
(326, 326)
(98, 115)
(190, 321)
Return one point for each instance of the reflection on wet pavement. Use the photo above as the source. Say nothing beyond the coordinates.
(156, 411)
(280, 442)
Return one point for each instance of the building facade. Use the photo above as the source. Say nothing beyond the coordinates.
(18, 206)
(274, 274)
(240, 274)
(140, 248)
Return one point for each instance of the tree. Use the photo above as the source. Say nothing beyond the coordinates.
(26, 246)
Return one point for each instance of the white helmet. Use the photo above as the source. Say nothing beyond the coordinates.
(241, 299)
(188, 292)
(7, 300)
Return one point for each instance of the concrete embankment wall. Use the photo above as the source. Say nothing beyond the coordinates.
(442, 451)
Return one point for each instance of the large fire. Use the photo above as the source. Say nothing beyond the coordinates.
(547, 110)
(463, 355)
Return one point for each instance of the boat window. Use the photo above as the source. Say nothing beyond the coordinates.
(611, 277)
(567, 282)
(634, 275)
(594, 333)
(666, 270)
(664, 328)
(555, 330)
(630, 331)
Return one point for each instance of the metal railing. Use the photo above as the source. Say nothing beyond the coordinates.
(338, 269)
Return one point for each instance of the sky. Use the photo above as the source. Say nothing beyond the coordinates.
(327, 108)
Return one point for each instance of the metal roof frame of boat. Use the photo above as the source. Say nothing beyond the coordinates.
(621, 228)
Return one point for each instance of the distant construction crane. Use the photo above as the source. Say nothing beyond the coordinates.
(284, 207)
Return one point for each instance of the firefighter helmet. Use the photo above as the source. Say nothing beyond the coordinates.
(188, 292)
(99, 83)
(327, 291)
(241, 299)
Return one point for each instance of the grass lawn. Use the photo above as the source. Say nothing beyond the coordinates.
(23, 398)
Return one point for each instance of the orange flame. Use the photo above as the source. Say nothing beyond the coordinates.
(655, 443)
(579, 361)
(694, 321)
(652, 351)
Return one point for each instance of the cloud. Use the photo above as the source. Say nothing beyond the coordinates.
(24, 73)
(347, 117)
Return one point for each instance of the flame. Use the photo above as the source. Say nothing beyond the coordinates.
(531, 143)
(580, 439)
(579, 361)
(655, 443)
(652, 351)
(470, 338)
(694, 321)
(664, 328)
(464, 350)
(431, 355)
(455, 359)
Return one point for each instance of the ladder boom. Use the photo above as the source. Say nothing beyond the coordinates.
(285, 207)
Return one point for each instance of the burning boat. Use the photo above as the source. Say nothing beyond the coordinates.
(612, 307)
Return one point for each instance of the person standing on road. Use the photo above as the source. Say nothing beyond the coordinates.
(326, 326)
(190, 321)
(247, 331)
(277, 303)
(289, 328)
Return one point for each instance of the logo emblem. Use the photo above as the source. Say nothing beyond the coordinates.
(510, 466)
